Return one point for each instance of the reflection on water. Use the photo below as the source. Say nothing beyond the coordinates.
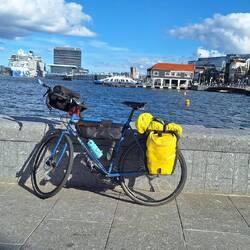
(23, 97)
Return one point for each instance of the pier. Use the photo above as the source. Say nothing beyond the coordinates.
(236, 90)
(222, 89)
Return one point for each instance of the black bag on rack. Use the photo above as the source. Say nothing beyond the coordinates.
(99, 130)
(61, 98)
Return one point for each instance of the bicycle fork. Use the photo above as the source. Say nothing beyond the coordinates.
(51, 162)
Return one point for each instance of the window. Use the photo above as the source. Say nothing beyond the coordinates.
(167, 73)
(155, 73)
(172, 73)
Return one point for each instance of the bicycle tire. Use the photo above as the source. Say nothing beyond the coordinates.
(129, 184)
(52, 173)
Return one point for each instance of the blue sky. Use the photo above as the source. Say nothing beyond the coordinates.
(117, 34)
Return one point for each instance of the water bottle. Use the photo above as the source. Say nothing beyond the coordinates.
(94, 149)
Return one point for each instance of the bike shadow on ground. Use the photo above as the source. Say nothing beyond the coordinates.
(82, 178)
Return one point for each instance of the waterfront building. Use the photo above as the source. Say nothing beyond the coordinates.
(59, 69)
(238, 69)
(229, 69)
(218, 63)
(169, 75)
(134, 73)
(68, 56)
(26, 64)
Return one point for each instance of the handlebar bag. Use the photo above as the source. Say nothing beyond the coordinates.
(61, 98)
(99, 130)
(161, 152)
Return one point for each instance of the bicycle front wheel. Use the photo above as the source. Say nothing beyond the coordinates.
(151, 190)
(52, 164)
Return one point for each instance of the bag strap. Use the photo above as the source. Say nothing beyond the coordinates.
(158, 119)
(165, 127)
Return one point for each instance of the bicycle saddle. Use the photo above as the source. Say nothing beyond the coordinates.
(135, 105)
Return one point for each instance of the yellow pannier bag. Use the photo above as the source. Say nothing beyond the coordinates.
(161, 153)
(142, 122)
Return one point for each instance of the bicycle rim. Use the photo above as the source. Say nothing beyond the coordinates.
(51, 171)
(148, 189)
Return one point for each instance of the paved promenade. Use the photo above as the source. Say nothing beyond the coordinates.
(79, 219)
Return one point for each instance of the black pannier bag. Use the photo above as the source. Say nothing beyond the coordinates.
(102, 130)
(60, 98)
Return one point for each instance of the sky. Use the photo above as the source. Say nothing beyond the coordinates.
(117, 34)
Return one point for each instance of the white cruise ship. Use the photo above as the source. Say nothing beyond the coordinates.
(26, 65)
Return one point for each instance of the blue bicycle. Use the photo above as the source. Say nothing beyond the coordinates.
(53, 160)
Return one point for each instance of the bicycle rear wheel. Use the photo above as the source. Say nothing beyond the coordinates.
(52, 164)
(151, 190)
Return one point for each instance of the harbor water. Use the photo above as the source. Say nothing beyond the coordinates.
(24, 97)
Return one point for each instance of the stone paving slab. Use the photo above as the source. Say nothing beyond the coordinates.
(130, 237)
(84, 206)
(211, 213)
(21, 213)
(10, 246)
(152, 218)
(64, 234)
(216, 240)
(80, 219)
(140, 227)
(243, 205)
(5, 187)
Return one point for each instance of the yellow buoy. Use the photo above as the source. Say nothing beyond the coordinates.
(187, 103)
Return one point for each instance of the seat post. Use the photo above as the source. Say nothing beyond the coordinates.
(131, 115)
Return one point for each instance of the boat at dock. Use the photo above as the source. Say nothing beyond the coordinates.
(68, 77)
(116, 81)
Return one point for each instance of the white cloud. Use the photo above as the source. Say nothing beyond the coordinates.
(19, 18)
(228, 33)
(104, 45)
(201, 52)
(2, 49)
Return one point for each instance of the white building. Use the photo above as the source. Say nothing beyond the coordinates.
(169, 75)
(134, 73)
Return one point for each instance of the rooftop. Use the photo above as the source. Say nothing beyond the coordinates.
(173, 66)
(66, 48)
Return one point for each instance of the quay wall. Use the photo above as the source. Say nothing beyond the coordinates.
(218, 160)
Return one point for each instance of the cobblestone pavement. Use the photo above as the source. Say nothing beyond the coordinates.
(80, 219)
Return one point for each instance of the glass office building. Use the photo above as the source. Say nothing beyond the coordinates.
(67, 56)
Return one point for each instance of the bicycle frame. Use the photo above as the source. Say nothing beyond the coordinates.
(70, 129)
